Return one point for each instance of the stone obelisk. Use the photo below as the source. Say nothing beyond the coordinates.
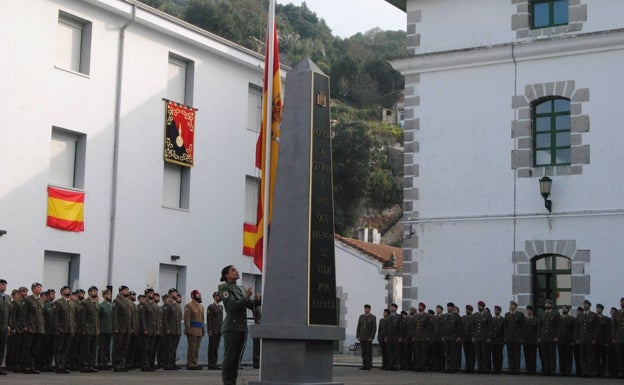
(299, 311)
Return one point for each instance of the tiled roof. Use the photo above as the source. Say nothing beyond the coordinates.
(382, 253)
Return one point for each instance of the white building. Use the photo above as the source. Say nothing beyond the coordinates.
(500, 93)
(83, 109)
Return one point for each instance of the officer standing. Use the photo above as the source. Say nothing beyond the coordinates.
(381, 338)
(105, 309)
(121, 320)
(481, 335)
(46, 351)
(530, 336)
(236, 300)
(602, 340)
(437, 340)
(5, 308)
(393, 337)
(497, 338)
(467, 339)
(33, 328)
(452, 341)
(565, 340)
(194, 329)
(585, 333)
(65, 324)
(89, 328)
(214, 321)
(421, 337)
(548, 338)
(148, 318)
(365, 333)
(514, 324)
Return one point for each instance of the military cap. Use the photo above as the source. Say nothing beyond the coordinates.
(93, 288)
(469, 307)
(132, 293)
(567, 307)
(599, 305)
(451, 304)
(22, 288)
(548, 301)
(497, 307)
(513, 303)
(580, 308)
(80, 291)
(394, 305)
(529, 307)
(622, 299)
(366, 306)
(430, 311)
(481, 303)
(438, 306)
(123, 287)
(172, 290)
(35, 284)
(65, 287)
(156, 294)
(141, 296)
(587, 302)
(14, 291)
(403, 312)
(613, 308)
(421, 304)
(216, 293)
(412, 308)
(3, 281)
(148, 290)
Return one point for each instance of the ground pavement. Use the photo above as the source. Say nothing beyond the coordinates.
(346, 371)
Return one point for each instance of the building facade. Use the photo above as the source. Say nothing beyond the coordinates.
(86, 86)
(500, 94)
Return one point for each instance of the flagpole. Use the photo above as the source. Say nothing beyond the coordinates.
(268, 102)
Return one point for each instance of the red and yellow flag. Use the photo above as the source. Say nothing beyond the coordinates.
(253, 236)
(65, 209)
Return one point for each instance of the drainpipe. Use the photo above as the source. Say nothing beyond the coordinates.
(118, 87)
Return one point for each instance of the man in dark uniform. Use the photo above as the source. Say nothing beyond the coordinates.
(236, 300)
(602, 340)
(482, 322)
(613, 362)
(585, 334)
(148, 315)
(133, 359)
(530, 336)
(497, 338)
(617, 332)
(46, 351)
(565, 340)
(105, 309)
(576, 348)
(514, 325)
(381, 337)
(393, 337)
(33, 328)
(452, 341)
(172, 317)
(74, 358)
(65, 324)
(89, 327)
(365, 333)
(13, 338)
(548, 338)
(466, 337)
(405, 344)
(121, 320)
(437, 340)
(421, 337)
(214, 321)
(5, 310)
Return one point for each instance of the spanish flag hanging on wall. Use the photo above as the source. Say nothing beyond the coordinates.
(65, 209)
(253, 236)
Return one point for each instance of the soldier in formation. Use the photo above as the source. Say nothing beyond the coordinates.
(365, 333)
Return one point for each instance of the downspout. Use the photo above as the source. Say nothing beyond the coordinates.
(117, 120)
(515, 172)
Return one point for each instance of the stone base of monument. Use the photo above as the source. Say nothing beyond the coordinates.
(296, 354)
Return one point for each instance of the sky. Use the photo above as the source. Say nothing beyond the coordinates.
(348, 17)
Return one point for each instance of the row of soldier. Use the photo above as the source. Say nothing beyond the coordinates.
(431, 340)
(78, 330)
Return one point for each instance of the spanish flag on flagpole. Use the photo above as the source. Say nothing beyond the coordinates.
(267, 147)
(65, 209)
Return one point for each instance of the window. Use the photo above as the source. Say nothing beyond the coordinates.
(252, 187)
(176, 186)
(180, 80)
(60, 269)
(551, 129)
(73, 43)
(552, 279)
(254, 108)
(67, 158)
(549, 13)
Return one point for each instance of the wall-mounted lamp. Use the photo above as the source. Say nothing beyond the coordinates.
(545, 186)
(175, 257)
(408, 231)
(2, 232)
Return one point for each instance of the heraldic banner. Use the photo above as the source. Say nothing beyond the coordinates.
(179, 133)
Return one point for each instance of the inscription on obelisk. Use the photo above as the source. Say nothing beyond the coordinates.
(322, 290)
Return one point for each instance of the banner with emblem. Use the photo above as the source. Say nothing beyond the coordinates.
(179, 133)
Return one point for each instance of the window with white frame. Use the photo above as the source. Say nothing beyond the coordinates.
(67, 158)
(254, 108)
(176, 186)
(252, 186)
(180, 80)
(73, 43)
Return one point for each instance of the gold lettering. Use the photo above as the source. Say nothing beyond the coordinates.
(321, 218)
(326, 304)
(322, 201)
(324, 269)
(322, 167)
(323, 235)
(322, 134)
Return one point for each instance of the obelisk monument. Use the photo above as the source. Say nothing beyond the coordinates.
(299, 306)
